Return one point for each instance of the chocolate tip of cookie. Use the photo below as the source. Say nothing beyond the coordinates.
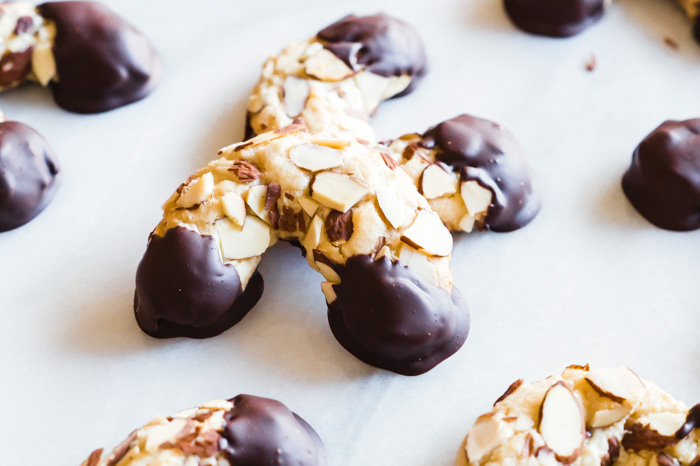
(389, 317)
(184, 289)
(562, 18)
(663, 180)
(102, 61)
(29, 174)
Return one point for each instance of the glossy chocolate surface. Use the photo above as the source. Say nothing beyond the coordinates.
(29, 174)
(663, 181)
(260, 431)
(389, 317)
(559, 18)
(102, 62)
(486, 152)
(381, 44)
(692, 422)
(184, 289)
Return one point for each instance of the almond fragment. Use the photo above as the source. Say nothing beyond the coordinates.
(255, 198)
(159, 434)
(234, 208)
(428, 234)
(337, 191)
(608, 417)
(245, 171)
(513, 387)
(312, 238)
(389, 161)
(296, 92)
(241, 243)
(372, 87)
(196, 192)
(324, 65)
(328, 273)
(617, 383)
(414, 260)
(384, 251)
(43, 63)
(476, 198)
(308, 205)
(393, 206)
(329, 293)
(466, 223)
(562, 423)
(315, 158)
(488, 432)
(436, 181)
(339, 226)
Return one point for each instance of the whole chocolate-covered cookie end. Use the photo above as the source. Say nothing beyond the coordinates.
(663, 181)
(486, 152)
(389, 317)
(183, 289)
(262, 431)
(29, 174)
(102, 62)
(561, 18)
(380, 44)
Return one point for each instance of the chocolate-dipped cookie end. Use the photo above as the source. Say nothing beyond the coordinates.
(561, 18)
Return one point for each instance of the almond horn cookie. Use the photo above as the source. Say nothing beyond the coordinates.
(245, 430)
(29, 174)
(358, 218)
(336, 80)
(607, 417)
(91, 58)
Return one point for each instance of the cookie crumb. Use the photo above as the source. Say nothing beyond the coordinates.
(671, 43)
(591, 63)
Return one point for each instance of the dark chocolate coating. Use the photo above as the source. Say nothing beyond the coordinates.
(663, 181)
(102, 62)
(381, 44)
(183, 289)
(486, 152)
(555, 18)
(260, 432)
(389, 317)
(29, 174)
(696, 29)
(692, 421)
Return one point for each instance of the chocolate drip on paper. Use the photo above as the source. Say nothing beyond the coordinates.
(184, 289)
(389, 317)
(380, 44)
(29, 174)
(261, 431)
(483, 151)
(663, 181)
(102, 62)
(560, 18)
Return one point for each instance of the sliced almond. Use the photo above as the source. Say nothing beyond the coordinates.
(255, 198)
(372, 87)
(384, 251)
(324, 65)
(435, 181)
(428, 234)
(476, 198)
(296, 92)
(312, 238)
(315, 158)
(43, 63)
(466, 223)
(395, 85)
(608, 417)
(666, 424)
(331, 142)
(327, 272)
(617, 383)
(159, 434)
(337, 191)
(562, 423)
(488, 432)
(241, 243)
(419, 263)
(308, 205)
(391, 201)
(329, 293)
(196, 192)
(234, 208)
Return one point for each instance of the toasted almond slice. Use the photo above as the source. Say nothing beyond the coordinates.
(196, 192)
(608, 417)
(159, 434)
(666, 424)
(324, 65)
(466, 223)
(435, 182)
(617, 383)
(327, 288)
(428, 234)
(43, 63)
(255, 198)
(476, 198)
(327, 272)
(241, 243)
(393, 205)
(296, 92)
(234, 208)
(315, 158)
(372, 87)
(312, 238)
(488, 432)
(337, 191)
(562, 423)
(419, 263)
(309, 205)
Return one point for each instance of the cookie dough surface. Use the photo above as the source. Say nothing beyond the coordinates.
(585, 417)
